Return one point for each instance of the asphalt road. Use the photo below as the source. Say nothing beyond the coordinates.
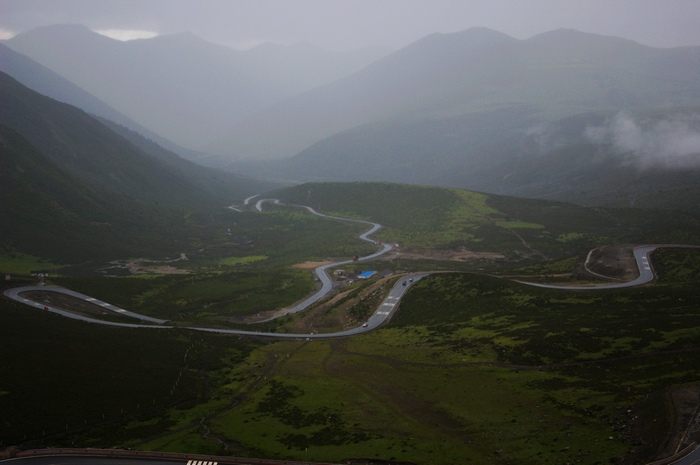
(326, 282)
(83, 460)
(15, 294)
(646, 274)
(691, 459)
(380, 316)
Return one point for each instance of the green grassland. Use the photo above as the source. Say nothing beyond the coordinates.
(202, 298)
(522, 229)
(494, 372)
(67, 382)
(13, 262)
(490, 371)
(471, 369)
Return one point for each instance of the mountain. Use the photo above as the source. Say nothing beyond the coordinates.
(507, 117)
(559, 74)
(74, 189)
(48, 213)
(44, 81)
(92, 152)
(223, 187)
(445, 152)
(648, 158)
(386, 89)
(180, 86)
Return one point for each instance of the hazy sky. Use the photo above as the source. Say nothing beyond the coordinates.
(351, 24)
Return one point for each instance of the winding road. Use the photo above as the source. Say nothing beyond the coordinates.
(326, 283)
(381, 314)
(646, 274)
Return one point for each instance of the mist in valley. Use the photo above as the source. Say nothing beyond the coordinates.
(198, 166)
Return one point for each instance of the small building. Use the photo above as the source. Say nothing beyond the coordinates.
(366, 274)
(340, 274)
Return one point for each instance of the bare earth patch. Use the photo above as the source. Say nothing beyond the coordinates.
(335, 313)
(77, 306)
(155, 269)
(614, 262)
(322, 316)
(310, 265)
(143, 266)
(685, 403)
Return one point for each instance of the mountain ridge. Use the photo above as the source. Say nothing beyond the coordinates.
(179, 86)
(562, 72)
(44, 81)
(91, 151)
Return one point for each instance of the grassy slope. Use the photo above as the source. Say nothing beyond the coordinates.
(65, 381)
(475, 368)
(76, 191)
(450, 379)
(526, 231)
(449, 218)
(488, 372)
(49, 213)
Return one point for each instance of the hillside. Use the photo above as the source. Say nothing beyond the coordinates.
(452, 220)
(649, 159)
(223, 187)
(646, 158)
(549, 375)
(76, 190)
(498, 115)
(86, 148)
(48, 213)
(41, 79)
(180, 86)
(46, 82)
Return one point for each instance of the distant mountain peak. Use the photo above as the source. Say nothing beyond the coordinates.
(479, 31)
(179, 39)
(74, 31)
(566, 35)
(482, 35)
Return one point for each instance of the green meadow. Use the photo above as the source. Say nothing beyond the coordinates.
(472, 367)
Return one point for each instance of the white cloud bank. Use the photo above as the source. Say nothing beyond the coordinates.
(6, 34)
(673, 143)
(126, 34)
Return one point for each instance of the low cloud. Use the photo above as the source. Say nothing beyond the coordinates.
(669, 143)
(6, 34)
